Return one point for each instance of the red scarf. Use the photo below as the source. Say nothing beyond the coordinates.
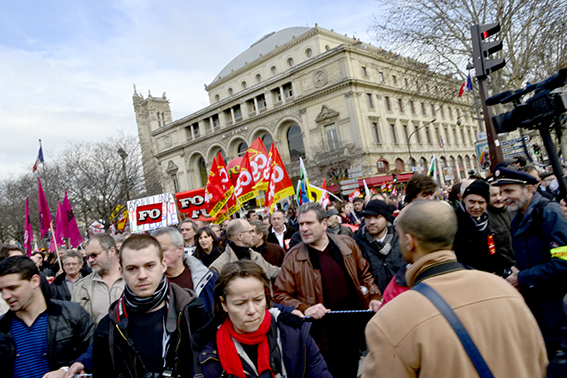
(229, 358)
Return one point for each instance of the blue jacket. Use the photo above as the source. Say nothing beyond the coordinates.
(539, 238)
(301, 356)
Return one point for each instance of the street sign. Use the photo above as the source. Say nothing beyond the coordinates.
(514, 154)
(510, 142)
(349, 186)
(514, 148)
(481, 136)
(348, 181)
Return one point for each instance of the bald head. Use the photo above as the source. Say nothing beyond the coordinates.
(432, 223)
(239, 232)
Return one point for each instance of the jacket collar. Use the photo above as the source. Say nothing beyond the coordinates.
(427, 260)
(302, 254)
(526, 219)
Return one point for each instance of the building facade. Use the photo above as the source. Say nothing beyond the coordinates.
(342, 105)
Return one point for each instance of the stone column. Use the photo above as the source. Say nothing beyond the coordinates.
(232, 115)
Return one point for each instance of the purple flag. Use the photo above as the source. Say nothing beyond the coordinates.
(28, 233)
(73, 232)
(44, 213)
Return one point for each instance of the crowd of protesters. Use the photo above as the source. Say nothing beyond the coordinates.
(308, 292)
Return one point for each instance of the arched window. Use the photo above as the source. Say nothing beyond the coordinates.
(242, 147)
(203, 174)
(411, 164)
(424, 164)
(267, 140)
(454, 167)
(383, 166)
(468, 162)
(400, 165)
(461, 166)
(295, 143)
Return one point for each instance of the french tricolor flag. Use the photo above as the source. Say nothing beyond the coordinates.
(467, 86)
(39, 159)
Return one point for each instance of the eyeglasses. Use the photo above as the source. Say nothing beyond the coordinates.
(94, 255)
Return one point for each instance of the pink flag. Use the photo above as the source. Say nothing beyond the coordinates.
(60, 226)
(28, 233)
(44, 213)
(73, 232)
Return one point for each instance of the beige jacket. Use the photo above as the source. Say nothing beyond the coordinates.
(229, 256)
(84, 294)
(409, 337)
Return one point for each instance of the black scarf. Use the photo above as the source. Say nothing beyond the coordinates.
(243, 253)
(383, 248)
(481, 223)
(261, 249)
(142, 305)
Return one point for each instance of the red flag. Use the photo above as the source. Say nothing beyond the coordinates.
(213, 190)
(325, 200)
(280, 184)
(44, 213)
(383, 187)
(223, 182)
(259, 163)
(390, 185)
(28, 233)
(72, 231)
(354, 195)
(395, 192)
(244, 190)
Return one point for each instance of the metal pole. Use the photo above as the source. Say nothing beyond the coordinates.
(416, 130)
(491, 136)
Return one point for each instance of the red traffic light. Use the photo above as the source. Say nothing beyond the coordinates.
(489, 29)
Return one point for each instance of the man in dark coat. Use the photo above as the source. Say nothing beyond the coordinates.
(279, 232)
(64, 284)
(474, 245)
(148, 330)
(271, 252)
(539, 237)
(499, 219)
(378, 241)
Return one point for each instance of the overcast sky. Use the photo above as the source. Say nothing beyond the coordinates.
(67, 68)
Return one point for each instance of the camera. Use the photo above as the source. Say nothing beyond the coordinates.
(541, 110)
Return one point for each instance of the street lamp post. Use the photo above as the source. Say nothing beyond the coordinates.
(413, 132)
(123, 154)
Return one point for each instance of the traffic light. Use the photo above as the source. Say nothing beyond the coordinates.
(536, 149)
(395, 178)
(481, 49)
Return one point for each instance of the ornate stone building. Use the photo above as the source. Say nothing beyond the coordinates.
(345, 106)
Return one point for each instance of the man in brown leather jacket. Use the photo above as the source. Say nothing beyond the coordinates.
(328, 272)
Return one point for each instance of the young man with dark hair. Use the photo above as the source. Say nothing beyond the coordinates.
(420, 187)
(39, 336)
(148, 330)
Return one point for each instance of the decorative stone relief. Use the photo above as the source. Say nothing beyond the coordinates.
(320, 78)
(171, 168)
(326, 115)
(167, 141)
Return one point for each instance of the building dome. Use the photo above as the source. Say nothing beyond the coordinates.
(261, 47)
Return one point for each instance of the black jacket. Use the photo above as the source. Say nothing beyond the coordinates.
(471, 246)
(69, 334)
(383, 268)
(112, 357)
(287, 235)
(499, 221)
(59, 286)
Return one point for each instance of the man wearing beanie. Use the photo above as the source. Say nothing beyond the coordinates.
(147, 331)
(474, 245)
(378, 241)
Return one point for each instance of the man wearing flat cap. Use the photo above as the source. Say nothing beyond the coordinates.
(539, 237)
(474, 244)
(378, 241)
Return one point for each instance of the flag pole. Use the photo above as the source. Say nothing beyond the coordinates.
(55, 242)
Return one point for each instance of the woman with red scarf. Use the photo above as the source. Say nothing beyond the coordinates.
(250, 338)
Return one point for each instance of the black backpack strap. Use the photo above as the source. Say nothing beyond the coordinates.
(475, 356)
(439, 269)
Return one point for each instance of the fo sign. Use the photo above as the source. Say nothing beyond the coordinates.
(149, 213)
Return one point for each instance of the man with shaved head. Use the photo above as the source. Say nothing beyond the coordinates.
(410, 337)
(239, 235)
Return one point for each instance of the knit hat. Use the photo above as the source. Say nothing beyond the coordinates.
(378, 207)
(480, 188)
